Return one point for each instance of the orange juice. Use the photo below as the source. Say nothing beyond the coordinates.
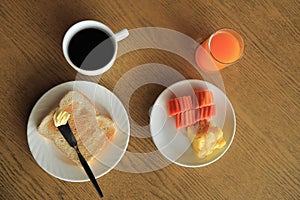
(222, 48)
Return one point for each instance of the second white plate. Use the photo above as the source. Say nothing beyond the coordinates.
(172, 143)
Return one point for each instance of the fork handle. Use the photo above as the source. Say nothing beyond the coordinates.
(88, 172)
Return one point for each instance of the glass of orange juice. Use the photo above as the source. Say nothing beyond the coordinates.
(221, 49)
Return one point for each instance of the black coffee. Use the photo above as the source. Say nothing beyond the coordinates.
(91, 49)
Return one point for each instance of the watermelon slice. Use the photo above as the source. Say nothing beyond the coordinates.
(203, 98)
(205, 112)
(180, 104)
(190, 117)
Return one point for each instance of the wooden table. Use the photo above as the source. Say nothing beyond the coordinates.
(263, 161)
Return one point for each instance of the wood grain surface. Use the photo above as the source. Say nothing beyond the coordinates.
(263, 161)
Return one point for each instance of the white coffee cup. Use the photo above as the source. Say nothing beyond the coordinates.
(115, 37)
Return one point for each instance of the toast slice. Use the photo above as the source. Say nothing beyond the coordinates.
(91, 129)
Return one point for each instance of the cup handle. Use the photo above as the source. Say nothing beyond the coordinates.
(121, 35)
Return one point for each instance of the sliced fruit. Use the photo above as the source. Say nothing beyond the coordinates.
(203, 98)
(205, 112)
(180, 104)
(190, 117)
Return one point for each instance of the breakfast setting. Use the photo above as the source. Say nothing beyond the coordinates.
(149, 100)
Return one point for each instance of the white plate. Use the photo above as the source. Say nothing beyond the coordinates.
(53, 160)
(172, 143)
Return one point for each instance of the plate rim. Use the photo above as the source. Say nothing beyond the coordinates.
(55, 88)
